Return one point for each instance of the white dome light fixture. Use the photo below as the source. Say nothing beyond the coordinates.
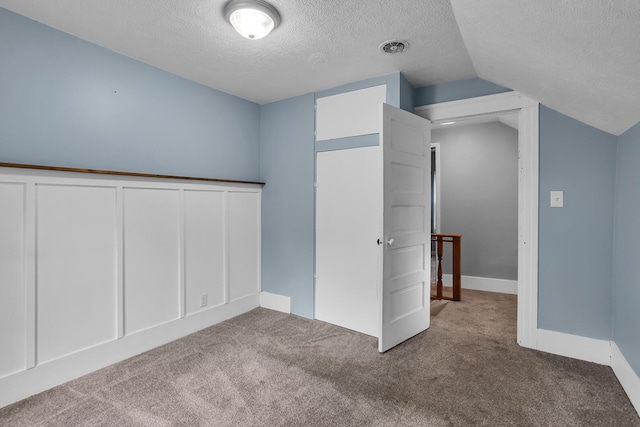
(253, 19)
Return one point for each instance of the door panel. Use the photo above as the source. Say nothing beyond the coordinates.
(406, 141)
(348, 222)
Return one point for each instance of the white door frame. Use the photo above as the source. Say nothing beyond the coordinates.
(436, 145)
(528, 164)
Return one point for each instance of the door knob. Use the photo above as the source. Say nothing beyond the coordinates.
(390, 242)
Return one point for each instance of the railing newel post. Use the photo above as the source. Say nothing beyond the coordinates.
(455, 240)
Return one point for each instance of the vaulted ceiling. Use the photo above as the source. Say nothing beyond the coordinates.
(579, 57)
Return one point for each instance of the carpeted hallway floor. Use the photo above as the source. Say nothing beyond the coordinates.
(268, 369)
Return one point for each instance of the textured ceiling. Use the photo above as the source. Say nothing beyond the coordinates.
(318, 45)
(580, 57)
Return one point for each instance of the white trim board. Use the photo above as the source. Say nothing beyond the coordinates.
(47, 375)
(626, 375)
(350, 113)
(528, 164)
(438, 220)
(445, 111)
(575, 346)
(484, 284)
(275, 302)
(602, 352)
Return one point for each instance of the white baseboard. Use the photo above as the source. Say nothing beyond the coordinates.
(593, 350)
(275, 302)
(23, 384)
(626, 375)
(574, 346)
(484, 284)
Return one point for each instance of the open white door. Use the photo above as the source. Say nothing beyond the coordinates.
(406, 142)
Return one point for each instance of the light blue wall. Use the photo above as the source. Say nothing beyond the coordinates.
(67, 102)
(392, 81)
(626, 292)
(407, 93)
(288, 167)
(461, 89)
(575, 242)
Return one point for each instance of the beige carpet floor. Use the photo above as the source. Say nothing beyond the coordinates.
(437, 306)
(270, 369)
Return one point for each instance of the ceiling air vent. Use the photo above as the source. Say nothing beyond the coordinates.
(394, 46)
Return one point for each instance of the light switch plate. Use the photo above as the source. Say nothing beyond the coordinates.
(557, 199)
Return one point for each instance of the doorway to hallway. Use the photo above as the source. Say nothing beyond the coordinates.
(528, 141)
(475, 184)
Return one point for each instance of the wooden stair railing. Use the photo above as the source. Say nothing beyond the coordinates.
(440, 240)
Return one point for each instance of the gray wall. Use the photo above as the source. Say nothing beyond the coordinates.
(479, 196)
(626, 290)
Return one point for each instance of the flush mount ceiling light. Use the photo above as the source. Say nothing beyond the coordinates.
(253, 19)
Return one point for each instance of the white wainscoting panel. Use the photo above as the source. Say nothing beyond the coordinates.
(244, 249)
(76, 259)
(151, 257)
(204, 249)
(96, 268)
(12, 279)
